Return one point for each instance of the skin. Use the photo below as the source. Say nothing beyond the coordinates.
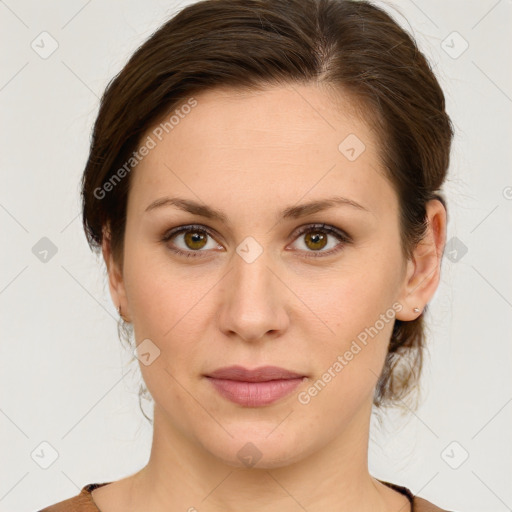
(252, 154)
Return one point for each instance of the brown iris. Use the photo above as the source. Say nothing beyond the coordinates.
(195, 237)
(317, 238)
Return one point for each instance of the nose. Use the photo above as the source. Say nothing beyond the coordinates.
(253, 303)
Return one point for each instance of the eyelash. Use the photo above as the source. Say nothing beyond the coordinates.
(337, 233)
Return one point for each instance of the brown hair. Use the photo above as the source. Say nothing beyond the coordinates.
(352, 46)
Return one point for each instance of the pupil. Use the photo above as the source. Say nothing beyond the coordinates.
(317, 238)
(194, 237)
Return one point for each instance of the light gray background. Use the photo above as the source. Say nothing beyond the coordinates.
(62, 365)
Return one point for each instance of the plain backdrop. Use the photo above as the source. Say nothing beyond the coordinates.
(69, 412)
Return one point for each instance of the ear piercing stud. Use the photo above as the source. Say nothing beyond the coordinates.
(416, 310)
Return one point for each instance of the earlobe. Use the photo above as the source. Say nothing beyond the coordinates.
(424, 269)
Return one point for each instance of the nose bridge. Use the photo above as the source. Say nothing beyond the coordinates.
(251, 277)
(252, 298)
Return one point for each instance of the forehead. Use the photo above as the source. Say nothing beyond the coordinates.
(283, 140)
(281, 113)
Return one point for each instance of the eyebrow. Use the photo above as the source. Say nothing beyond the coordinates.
(291, 212)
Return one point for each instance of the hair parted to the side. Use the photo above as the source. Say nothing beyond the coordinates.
(351, 46)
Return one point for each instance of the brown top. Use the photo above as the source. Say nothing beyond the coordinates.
(83, 501)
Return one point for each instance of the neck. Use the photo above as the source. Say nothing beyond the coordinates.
(182, 475)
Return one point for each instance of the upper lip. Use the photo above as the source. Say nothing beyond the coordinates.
(261, 374)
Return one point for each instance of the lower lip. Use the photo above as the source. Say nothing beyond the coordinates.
(254, 394)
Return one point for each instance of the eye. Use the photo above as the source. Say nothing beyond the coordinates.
(193, 239)
(317, 238)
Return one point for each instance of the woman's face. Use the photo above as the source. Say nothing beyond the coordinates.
(262, 284)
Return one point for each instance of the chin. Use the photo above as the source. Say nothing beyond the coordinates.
(253, 447)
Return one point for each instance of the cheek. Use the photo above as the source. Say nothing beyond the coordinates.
(358, 308)
(158, 294)
(356, 300)
(165, 310)
(347, 368)
(170, 307)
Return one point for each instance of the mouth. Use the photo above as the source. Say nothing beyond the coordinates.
(256, 387)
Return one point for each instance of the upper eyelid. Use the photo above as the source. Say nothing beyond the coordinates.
(188, 227)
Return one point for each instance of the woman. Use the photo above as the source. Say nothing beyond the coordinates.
(264, 184)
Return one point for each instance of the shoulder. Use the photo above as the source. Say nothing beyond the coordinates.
(422, 505)
(82, 502)
(417, 504)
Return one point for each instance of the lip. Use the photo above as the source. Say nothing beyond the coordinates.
(256, 387)
(261, 374)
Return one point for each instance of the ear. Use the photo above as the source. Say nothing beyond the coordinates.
(424, 269)
(115, 276)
